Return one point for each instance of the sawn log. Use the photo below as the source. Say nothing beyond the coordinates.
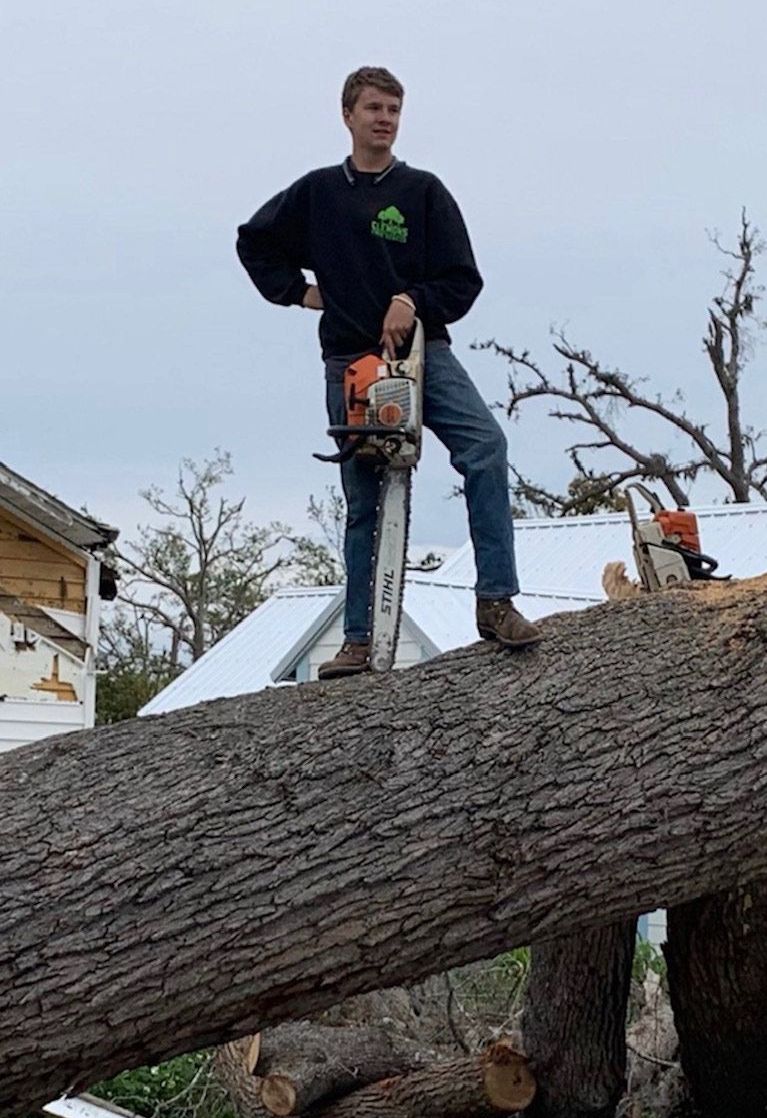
(300, 1063)
(497, 1081)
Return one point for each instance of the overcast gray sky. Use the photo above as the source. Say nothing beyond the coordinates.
(590, 144)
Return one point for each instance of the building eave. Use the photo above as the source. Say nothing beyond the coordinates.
(36, 506)
(291, 658)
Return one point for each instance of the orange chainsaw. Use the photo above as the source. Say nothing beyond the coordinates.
(667, 547)
(384, 409)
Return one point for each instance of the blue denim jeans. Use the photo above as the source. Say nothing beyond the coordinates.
(454, 410)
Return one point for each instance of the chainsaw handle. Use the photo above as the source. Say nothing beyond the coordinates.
(346, 430)
(344, 454)
(649, 496)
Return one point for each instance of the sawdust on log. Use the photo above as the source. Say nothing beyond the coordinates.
(715, 591)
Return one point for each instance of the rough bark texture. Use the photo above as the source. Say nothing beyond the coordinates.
(496, 1082)
(302, 1063)
(175, 882)
(574, 1023)
(237, 1075)
(717, 973)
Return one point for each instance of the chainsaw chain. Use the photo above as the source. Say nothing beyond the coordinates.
(387, 475)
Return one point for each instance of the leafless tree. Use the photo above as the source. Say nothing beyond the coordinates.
(191, 578)
(595, 399)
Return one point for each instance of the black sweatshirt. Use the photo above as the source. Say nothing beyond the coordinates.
(366, 237)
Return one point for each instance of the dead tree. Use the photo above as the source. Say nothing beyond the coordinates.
(176, 882)
(595, 400)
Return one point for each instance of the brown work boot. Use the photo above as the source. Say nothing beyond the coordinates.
(498, 620)
(352, 659)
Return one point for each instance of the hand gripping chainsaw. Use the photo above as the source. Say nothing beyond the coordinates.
(384, 409)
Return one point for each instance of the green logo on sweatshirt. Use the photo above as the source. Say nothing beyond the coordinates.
(390, 224)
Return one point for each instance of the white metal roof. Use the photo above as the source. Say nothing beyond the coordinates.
(570, 552)
(246, 659)
(444, 611)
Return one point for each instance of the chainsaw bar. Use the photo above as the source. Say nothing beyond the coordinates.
(388, 584)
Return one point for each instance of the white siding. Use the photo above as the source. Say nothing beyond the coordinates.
(25, 663)
(24, 720)
(409, 650)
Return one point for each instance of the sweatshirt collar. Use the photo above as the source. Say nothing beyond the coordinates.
(350, 171)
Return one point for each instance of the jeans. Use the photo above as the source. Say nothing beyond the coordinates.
(454, 410)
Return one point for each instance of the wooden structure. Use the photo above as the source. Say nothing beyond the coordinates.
(52, 580)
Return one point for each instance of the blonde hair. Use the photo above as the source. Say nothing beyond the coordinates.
(376, 76)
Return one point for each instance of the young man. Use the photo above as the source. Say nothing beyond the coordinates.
(386, 243)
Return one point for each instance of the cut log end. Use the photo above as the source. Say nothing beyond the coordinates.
(278, 1095)
(509, 1083)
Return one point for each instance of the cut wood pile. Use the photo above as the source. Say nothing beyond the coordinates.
(324, 1071)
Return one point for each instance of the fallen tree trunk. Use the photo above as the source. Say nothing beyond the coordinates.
(175, 882)
(496, 1081)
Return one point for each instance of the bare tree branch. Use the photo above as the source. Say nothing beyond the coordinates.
(597, 398)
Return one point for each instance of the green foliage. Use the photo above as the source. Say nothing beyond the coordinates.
(181, 1088)
(202, 567)
(489, 995)
(123, 691)
(647, 958)
(131, 670)
(515, 964)
(590, 492)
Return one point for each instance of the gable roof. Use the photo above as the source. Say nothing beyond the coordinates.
(32, 503)
(570, 552)
(257, 652)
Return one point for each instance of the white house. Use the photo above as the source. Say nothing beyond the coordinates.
(52, 581)
(560, 565)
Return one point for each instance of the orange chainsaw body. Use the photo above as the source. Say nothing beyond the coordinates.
(358, 378)
(680, 526)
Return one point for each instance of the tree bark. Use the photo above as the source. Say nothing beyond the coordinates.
(496, 1081)
(717, 975)
(175, 882)
(575, 1021)
(235, 1069)
(301, 1063)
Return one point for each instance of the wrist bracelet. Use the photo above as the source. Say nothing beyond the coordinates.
(404, 299)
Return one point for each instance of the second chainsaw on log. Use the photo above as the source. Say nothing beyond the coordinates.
(384, 408)
(667, 547)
